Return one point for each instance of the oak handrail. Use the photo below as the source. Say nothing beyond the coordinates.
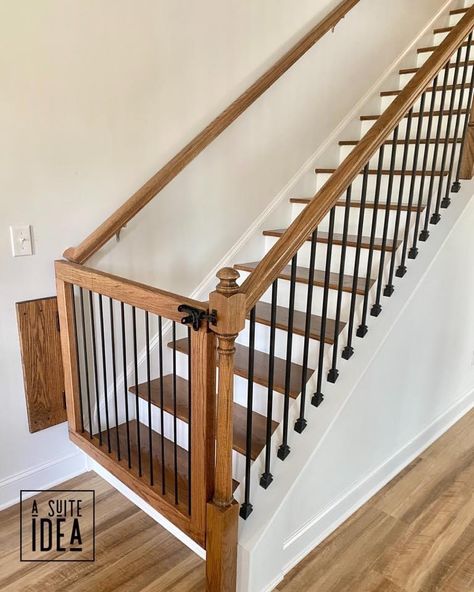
(99, 237)
(325, 199)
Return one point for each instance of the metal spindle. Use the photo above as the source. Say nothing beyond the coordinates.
(148, 388)
(377, 307)
(349, 350)
(389, 288)
(114, 375)
(413, 253)
(318, 396)
(363, 328)
(424, 235)
(162, 405)
(76, 328)
(444, 203)
(267, 476)
(94, 359)
(86, 360)
(333, 373)
(175, 419)
(284, 449)
(125, 382)
(301, 422)
(190, 420)
(458, 118)
(457, 184)
(137, 402)
(401, 271)
(104, 370)
(246, 508)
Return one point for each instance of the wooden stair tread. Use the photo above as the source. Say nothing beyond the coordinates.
(302, 276)
(261, 362)
(400, 142)
(417, 114)
(387, 172)
(442, 30)
(458, 10)
(434, 47)
(323, 237)
(357, 204)
(414, 70)
(264, 315)
(259, 422)
(395, 93)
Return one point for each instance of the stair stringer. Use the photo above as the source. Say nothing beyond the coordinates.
(314, 479)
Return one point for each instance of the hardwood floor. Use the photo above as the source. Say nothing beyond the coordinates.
(416, 535)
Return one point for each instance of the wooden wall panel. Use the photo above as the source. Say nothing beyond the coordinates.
(42, 362)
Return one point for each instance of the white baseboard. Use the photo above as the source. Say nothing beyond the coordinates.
(138, 501)
(332, 517)
(43, 476)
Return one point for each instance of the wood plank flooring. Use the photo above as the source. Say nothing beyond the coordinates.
(416, 535)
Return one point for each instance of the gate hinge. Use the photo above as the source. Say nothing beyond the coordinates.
(195, 316)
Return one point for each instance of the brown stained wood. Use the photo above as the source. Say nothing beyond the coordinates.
(40, 343)
(458, 11)
(357, 204)
(387, 172)
(259, 422)
(395, 93)
(133, 552)
(338, 239)
(281, 253)
(302, 276)
(153, 186)
(466, 167)
(415, 114)
(261, 362)
(416, 69)
(442, 30)
(415, 535)
(264, 314)
(142, 296)
(221, 556)
(433, 47)
(400, 142)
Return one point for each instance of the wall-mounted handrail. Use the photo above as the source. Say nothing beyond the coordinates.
(108, 229)
(298, 232)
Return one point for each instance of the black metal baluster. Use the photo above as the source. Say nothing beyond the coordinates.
(148, 388)
(333, 373)
(424, 234)
(190, 422)
(301, 423)
(457, 184)
(125, 382)
(104, 370)
(318, 396)
(413, 253)
(363, 328)
(458, 119)
(267, 476)
(444, 203)
(114, 375)
(175, 420)
(401, 271)
(389, 288)
(162, 405)
(284, 449)
(76, 328)
(86, 361)
(94, 358)
(349, 350)
(137, 402)
(246, 508)
(377, 307)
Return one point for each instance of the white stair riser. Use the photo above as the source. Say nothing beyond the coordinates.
(423, 57)
(402, 128)
(405, 78)
(386, 101)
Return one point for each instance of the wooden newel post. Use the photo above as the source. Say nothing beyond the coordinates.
(222, 512)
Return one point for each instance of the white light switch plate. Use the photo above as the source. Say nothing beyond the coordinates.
(20, 237)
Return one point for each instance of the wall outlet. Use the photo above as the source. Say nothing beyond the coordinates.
(20, 237)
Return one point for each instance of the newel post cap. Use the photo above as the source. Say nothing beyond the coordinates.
(227, 277)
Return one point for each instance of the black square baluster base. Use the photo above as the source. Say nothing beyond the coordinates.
(300, 425)
(245, 510)
(456, 187)
(413, 253)
(265, 480)
(317, 399)
(424, 235)
(362, 331)
(376, 310)
(446, 203)
(333, 375)
(348, 352)
(435, 218)
(389, 290)
(283, 451)
(401, 271)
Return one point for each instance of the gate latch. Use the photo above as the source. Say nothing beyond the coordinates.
(195, 317)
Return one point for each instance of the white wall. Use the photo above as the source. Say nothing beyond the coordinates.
(411, 388)
(95, 96)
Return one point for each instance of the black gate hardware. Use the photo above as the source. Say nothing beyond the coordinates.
(195, 316)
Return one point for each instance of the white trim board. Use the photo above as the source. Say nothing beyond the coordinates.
(44, 476)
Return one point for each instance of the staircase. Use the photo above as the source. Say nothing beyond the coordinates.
(140, 362)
